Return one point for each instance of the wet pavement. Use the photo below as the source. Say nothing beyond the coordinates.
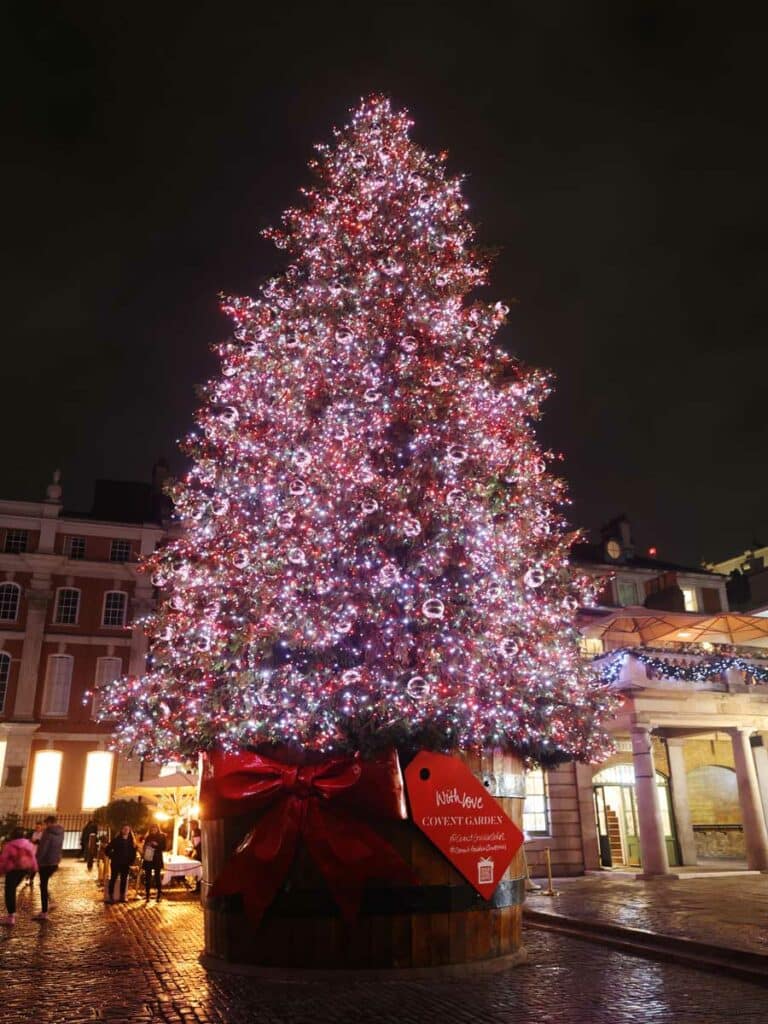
(138, 963)
(730, 912)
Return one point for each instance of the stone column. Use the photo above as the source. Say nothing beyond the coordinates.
(589, 842)
(680, 806)
(752, 817)
(653, 849)
(760, 755)
(38, 597)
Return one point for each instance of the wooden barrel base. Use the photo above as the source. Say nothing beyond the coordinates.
(441, 923)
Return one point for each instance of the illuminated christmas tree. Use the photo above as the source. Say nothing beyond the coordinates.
(374, 550)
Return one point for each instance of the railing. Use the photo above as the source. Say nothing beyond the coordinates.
(73, 825)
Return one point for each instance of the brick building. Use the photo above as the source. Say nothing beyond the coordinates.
(69, 593)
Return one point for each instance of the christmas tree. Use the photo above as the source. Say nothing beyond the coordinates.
(374, 549)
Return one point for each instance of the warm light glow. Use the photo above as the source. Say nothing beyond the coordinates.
(162, 816)
(684, 634)
(45, 780)
(97, 788)
(194, 811)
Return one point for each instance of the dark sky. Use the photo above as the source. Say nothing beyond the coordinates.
(616, 153)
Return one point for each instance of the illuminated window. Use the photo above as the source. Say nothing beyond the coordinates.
(107, 670)
(98, 779)
(627, 592)
(67, 606)
(5, 671)
(3, 747)
(689, 597)
(9, 601)
(45, 780)
(114, 608)
(74, 548)
(535, 810)
(58, 680)
(16, 542)
(120, 551)
(591, 646)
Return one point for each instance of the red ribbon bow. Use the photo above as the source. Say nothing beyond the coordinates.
(299, 806)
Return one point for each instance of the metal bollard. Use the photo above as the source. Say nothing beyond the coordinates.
(549, 891)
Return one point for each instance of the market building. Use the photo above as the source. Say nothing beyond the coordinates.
(70, 593)
(688, 782)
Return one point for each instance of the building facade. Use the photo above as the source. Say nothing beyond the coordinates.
(69, 595)
(687, 784)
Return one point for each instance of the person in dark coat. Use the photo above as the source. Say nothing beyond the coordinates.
(152, 857)
(91, 828)
(122, 853)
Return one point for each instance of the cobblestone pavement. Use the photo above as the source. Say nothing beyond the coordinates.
(139, 964)
(731, 911)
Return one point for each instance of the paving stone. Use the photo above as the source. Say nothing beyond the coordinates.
(139, 964)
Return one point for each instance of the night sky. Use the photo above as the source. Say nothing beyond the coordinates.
(615, 153)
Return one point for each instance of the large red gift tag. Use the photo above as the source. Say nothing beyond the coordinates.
(458, 814)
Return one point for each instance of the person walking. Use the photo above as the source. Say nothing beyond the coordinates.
(152, 857)
(48, 858)
(17, 859)
(34, 838)
(91, 829)
(121, 851)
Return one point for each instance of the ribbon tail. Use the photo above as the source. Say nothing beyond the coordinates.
(350, 854)
(258, 869)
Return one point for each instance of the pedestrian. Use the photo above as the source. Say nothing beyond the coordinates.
(48, 859)
(122, 853)
(90, 829)
(152, 857)
(35, 837)
(17, 859)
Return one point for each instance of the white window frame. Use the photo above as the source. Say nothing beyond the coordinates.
(12, 530)
(120, 540)
(68, 546)
(73, 590)
(531, 817)
(690, 597)
(8, 584)
(103, 678)
(49, 682)
(43, 785)
(5, 678)
(97, 782)
(627, 583)
(113, 625)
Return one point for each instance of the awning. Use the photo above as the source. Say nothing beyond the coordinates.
(633, 626)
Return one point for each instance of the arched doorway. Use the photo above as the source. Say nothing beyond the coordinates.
(616, 817)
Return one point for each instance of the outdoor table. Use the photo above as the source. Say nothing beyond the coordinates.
(180, 867)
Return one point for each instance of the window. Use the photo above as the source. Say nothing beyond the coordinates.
(3, 748)
(45, 780)
(97, 788)
(114, 608)
(67, 606)
(689, 597)
(590, 646)
(9, 601)
(74, 548)
(627, 593)
(107, 670)
(5, 671)
(58, 680)
(120, 551)
(16, 541)
(535, 811)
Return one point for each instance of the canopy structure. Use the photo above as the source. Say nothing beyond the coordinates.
(176, 795)
(634, 626)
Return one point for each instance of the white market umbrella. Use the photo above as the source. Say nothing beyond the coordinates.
(176, 791)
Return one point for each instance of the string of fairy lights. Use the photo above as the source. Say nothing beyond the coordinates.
(663, 665)
(374, 547)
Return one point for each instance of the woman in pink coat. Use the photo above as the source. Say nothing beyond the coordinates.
(17, 859)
